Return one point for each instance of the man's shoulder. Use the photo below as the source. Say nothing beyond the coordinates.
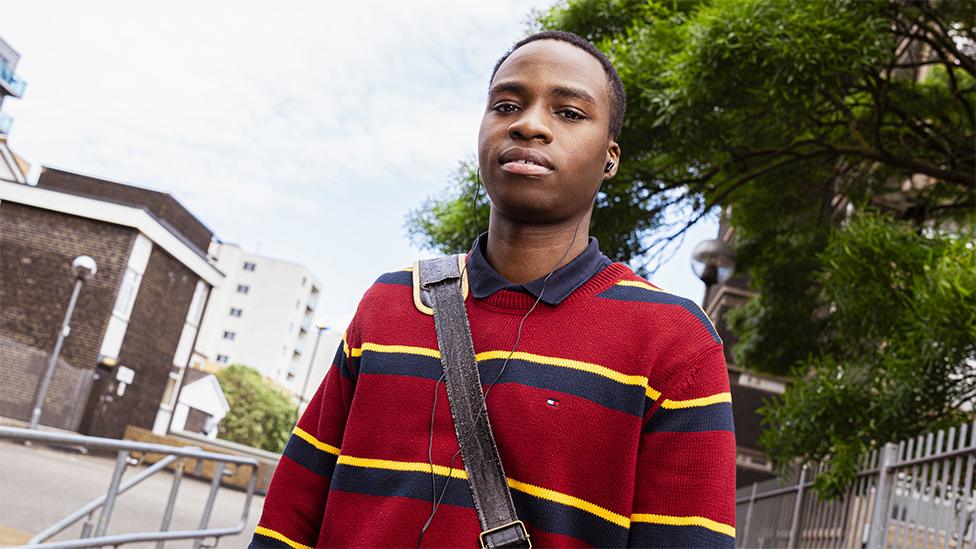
(399, 277)
(390, 288)
(649, 303)
(388, 301)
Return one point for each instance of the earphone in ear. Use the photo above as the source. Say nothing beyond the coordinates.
(609, 166)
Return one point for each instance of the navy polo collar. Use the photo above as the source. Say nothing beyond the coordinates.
(484, 280)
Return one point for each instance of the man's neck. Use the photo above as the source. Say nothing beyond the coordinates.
(522, 253)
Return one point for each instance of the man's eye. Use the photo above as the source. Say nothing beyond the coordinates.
(504, 108)
(571, 114)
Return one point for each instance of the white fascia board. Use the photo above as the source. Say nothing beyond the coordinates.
(219, 391)
(118, 214)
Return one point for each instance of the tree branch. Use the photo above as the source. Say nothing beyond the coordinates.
(961, 177)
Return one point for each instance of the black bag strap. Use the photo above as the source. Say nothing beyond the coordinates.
(440, 284)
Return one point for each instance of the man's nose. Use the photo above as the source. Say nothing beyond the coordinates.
(530, 125)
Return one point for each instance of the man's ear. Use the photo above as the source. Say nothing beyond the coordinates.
(613, 156)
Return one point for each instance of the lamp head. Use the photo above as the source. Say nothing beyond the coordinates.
(713, 261)
(84, 267)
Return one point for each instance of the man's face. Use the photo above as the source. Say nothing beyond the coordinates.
(544, 138)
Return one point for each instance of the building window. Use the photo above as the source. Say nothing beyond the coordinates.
(235, 312)
(230, 335)
(248, 266)
(223, 359)
(243, 288)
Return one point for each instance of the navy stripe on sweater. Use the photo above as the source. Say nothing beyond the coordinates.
(402, 278)
(540, 513)
(714, 417)
(643, 534)
(595, 388)
(315, 460)
(265, 542)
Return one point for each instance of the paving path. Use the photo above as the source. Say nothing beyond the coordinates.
(39, 486)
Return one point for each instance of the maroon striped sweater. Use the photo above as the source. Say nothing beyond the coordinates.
(613, 420)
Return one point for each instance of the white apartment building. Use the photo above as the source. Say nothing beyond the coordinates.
(263, 316)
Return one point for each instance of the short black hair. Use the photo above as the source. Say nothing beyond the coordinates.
(618, 99)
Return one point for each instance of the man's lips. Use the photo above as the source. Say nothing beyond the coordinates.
(523, 161)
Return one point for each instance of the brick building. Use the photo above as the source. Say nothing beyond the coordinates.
(140, 311)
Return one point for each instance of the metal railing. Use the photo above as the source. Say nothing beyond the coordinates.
(93, 533)
(916, 493)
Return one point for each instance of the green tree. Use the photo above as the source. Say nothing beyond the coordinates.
(896, 355)
(792, 114)
(729, 94)
(261, 415)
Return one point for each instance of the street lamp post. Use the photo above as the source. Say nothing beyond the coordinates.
(83, 267)
(311, 364)
(713, 261)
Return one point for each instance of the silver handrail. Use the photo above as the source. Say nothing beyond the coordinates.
(173, 454)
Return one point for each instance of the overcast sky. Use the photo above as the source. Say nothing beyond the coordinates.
(299, 130)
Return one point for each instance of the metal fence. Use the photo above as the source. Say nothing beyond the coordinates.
(916, 493)
(94, 531)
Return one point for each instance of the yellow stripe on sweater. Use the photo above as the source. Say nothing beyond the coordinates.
(304, 435)
(404, 349)
(695, 402)
(571, 501)
(590, 367)
(349, 352)
(415, 466)
(532, 490)
(685, 521)
(626, 379)
(639, 284)
(268, 532)
(691, 402)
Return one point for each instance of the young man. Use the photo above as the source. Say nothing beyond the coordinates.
(612, 416)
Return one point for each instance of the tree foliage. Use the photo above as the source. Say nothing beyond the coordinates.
(728, 94)
(790, 115)
(261, 415)
(897, 353)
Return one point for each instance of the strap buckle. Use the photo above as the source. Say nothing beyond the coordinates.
(510, 540)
